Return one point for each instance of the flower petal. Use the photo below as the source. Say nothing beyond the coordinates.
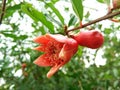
(53, 70)
(68, 50)
(59, 38)
(41, 39)
(40, 48)
(43, 60)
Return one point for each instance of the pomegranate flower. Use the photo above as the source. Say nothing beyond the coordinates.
(58, 50)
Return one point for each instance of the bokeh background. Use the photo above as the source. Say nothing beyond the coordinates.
(89, 69)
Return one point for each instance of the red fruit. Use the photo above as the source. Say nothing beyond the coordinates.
(91, 39)
(116, 4)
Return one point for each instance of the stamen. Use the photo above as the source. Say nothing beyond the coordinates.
(53, 50)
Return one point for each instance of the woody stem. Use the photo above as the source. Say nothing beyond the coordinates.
(3, 10)
(107, 16)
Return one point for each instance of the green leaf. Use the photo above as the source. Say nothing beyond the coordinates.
(80, 51)
(56, 12)
(9, 1)
(9, 35)
(101, 1)
(104, 1)
(37, 16)
(107, 2)
(78, 8)
(42, 30)
(87, 14)
(54, 1)
(54, 20)
(11, 10)
(72, 21)
(14, 36)
(107, 31)
(115, 72)
(22, 37)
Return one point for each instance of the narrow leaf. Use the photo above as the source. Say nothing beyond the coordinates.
(107, 2)
(37, 16)
(11, 10)
(72, 20)
(54, 1)
(54, 20)
(78, 8)
(14, 36)
(56, 12)
(9, 35)
(101, 1)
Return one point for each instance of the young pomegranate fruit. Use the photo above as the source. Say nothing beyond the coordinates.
(91, 39)
(116, 4)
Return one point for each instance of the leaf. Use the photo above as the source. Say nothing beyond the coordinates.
(80, 51)
(101, 1)
(54, 1)
(107, 2)
(42, 30)
(72, 21)
(9, 1)
(14, 36)
(115, 72)
(104, 1)
(37, 16)
(78, 8)
(107, 31)
(56, 12)
(99, 26)
(53, 20)
(11, 10)
(9, 35)
(87, 14)
(22, 37)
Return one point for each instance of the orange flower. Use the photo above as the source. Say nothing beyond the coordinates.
(58, 51)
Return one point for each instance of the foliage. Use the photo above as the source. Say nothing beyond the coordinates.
(16, 48)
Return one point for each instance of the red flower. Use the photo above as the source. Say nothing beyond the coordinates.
(58, 51)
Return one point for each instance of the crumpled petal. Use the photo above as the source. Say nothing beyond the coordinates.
(43, 60)
(53, 70)
(40, 48)
(68, 50)
(42, 39)
(59, 38)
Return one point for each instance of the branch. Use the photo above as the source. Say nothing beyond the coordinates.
(3, 10)
(107, 16)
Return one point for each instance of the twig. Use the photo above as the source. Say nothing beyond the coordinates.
(107, 16)
(65, 28)
(3, 10)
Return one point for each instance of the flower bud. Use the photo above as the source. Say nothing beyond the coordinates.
(116, 4)
(91, 39)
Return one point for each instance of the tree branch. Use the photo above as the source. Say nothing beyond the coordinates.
(107, 16)
(3, 10)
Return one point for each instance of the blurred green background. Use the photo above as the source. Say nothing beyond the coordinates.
(88, 70)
